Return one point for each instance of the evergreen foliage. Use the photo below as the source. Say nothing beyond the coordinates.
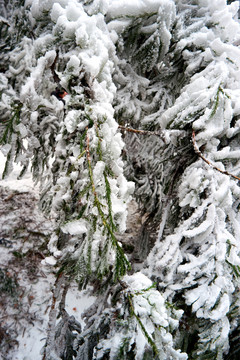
(170, 68)
(191, 200)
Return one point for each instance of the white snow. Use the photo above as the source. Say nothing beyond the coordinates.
(32, 339)
(75, 227)
(133, 7)
(72, 119)
(78, 301)
(50, 260)
(23, 185)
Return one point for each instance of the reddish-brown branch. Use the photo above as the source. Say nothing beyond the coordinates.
(140, 132)
(198, 152)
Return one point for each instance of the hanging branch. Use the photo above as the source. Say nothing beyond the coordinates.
(56, 298)
(122, 263)
(148, 337)
(130, 296)
(198, 152)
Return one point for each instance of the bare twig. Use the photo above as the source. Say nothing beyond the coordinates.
(141, 132)
(11, 196)
(198, 152)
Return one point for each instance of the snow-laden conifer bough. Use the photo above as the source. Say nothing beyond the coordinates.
(109, 100)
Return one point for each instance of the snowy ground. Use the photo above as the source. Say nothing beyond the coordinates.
(25, 284)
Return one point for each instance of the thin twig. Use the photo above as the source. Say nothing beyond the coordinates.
(198, 152)
(141, 132)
